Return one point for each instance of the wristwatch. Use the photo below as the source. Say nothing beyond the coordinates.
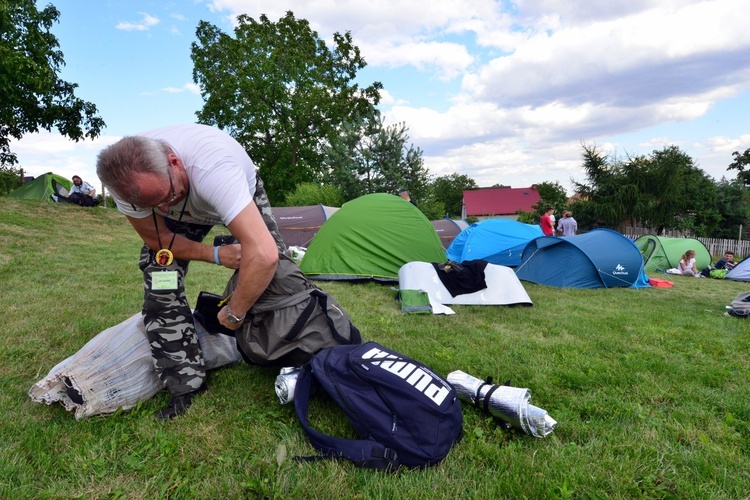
(234, 319)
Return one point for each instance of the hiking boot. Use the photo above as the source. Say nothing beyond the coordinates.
(178, 405)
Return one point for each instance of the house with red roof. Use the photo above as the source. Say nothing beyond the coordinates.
(504, 201)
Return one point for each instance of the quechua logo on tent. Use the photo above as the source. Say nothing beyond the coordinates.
(620, 270)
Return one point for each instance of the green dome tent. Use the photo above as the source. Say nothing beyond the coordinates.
(43, 187)
(662, 253)
(371, 237)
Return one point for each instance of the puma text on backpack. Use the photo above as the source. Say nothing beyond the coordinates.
(403, 413)
(291, 321)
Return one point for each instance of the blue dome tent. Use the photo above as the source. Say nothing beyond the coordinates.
(498, 241)
(601, 258)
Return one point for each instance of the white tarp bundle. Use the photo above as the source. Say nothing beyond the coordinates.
(115, 369)
(503, 287)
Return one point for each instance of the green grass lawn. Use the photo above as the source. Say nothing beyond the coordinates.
(649, 387)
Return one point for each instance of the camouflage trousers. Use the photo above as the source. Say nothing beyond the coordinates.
(167, 316)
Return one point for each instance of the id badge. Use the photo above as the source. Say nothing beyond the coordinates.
(164, 280)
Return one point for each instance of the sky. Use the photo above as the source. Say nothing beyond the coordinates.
(504, 92)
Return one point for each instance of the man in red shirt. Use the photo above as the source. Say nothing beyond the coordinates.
(546, 222)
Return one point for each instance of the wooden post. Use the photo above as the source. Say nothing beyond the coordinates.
(22, 177)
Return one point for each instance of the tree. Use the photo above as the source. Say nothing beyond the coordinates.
(665, 190)
(10, 179)
(33, 96)
(309, 193)
(740, 162)
(373, 158)
(281, 92)
(598, 205)
(449, 190)
(551, 194)
(733, 205)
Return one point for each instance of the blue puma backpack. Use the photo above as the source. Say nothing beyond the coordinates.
(403, 412)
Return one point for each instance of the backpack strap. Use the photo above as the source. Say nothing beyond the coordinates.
(362, 452)
(322, 298)
(305, 317)
(485, 404)
(318, 297)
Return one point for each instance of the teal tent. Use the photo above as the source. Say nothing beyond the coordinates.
(371, 237)
(661, 253)
(498, 241)
(43, 188)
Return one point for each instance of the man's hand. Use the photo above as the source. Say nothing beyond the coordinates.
(223, 317)
(230, 255)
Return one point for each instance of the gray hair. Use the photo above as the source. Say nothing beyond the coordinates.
(118, 164)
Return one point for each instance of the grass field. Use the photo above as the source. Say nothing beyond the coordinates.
(649, 387)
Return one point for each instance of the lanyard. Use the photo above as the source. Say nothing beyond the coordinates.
(164, 255)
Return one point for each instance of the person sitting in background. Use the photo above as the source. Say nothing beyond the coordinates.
(727, 262)
(687, 264)
(81, 193)
(82, 187)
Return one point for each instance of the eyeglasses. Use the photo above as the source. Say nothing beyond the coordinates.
(171, 188)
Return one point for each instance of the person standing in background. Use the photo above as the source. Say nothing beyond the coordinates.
(548, 227)
(404, 193)
(568, 225)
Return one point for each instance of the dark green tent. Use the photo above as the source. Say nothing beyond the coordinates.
(371, 237)
(662, 253)
(43, 187)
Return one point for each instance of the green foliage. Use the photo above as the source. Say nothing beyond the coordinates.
(281, 92)
(10, 179)
(33, 96)
(527, 217)
(733, 204)
(449, 189)
(432, 208)
(309, 193)
(662, 191)
(650, 402)
(373, 158)
(551, 194)
(740, 163)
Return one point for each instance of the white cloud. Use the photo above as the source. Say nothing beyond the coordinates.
(728, 145)
(192, 88)
(188, 87)
(50, 152)
(642, 58)
(146, 22)
(448, 60)
(387, 99)
(391, 33)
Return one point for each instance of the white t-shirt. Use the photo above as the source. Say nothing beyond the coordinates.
(221, 175)
(84, 187)
(689, 265)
